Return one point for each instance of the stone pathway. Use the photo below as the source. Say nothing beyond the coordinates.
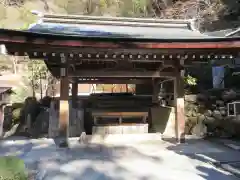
(228, 143)
(233, 165)
(140, 161)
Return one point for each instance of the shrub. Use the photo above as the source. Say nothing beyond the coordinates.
(17, 105)
(32, 107)
(46, 101)
(12, 168)
(16, 115)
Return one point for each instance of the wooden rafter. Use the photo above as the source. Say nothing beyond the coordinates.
(112, 81)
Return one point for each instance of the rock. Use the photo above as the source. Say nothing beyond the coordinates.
(217, 114)
(194, 113)
(209, 120)
(191, 109)
(202, 97)
(191, 98)
(229, 95)
(214, 106)
(199, 130)
(213, 98)
(223, 108)
(208, 113)
(201, 118)
(188, 113)
(192, 120)
(220, 103)
(12, 131)
(223, 111)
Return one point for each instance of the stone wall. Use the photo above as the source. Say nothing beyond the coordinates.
(206, 113)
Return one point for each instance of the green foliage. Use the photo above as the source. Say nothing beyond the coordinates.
(16, 114)
(207, 12)
(189, 80)
(38, 77)
(134, 8)
(74, 6)
(5, 63)
(25, 26)
(62, 3)
(35, 81)
(19, 94)
(2, 11)
(26, 14)
(17, 105)
(12, 168)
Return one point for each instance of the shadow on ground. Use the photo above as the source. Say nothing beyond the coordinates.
(91, 161)
(212, 154)
(150, 161)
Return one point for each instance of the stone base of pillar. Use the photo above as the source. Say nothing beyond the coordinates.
(182, 138)
(63, 143)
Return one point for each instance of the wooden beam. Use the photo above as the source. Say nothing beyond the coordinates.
(89, 53)
(179, 104)
(112, 81)
(129, 74)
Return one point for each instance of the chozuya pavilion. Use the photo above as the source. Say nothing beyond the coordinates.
(117, 50)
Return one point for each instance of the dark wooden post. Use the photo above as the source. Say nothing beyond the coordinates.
(74, 94)
(1, 120)
(155, 91)
(179, 103)
(64, 104)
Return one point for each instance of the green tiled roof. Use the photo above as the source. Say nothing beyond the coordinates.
(90, 26)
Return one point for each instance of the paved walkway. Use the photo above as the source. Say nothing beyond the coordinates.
(233, 166)
(233, 144)
(148, 161)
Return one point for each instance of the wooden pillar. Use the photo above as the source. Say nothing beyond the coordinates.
(179, 104)
(1, 120)
(155, 92)
(74, 94)
(64, 104)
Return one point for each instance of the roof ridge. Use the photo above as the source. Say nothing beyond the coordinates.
(114, 21)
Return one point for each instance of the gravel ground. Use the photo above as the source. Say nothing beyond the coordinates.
(140, 161)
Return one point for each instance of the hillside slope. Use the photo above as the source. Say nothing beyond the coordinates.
(211, 15)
